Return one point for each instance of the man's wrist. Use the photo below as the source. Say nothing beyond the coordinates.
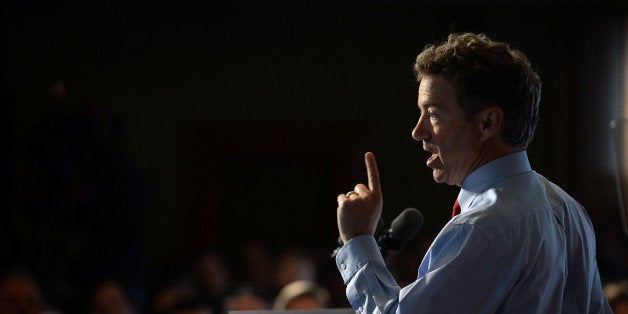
(356, 253)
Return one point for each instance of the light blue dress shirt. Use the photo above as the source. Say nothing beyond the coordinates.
(520, 245)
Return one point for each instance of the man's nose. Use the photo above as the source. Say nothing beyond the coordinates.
(420, 132)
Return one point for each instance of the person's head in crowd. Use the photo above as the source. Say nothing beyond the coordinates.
(109, 297)
(246, 298)
(211, 273)
(302, 295)
(488, 102)
(171, 294)
(257, 263)
(19, 294)
(617, 295)
(292, 266)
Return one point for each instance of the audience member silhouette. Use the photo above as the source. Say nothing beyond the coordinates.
(302, 295)
(617, 294)
(109, 297)
(246, 298)
(19, 294)
(212, 278)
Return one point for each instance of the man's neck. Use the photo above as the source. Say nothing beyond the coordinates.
(490, 151)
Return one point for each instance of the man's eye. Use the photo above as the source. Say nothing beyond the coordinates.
(433, 116)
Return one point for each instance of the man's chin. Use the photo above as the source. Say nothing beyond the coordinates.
(438, 176)
(440, 179)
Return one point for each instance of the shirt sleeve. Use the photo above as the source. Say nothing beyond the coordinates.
(445, 284)
(370, 286)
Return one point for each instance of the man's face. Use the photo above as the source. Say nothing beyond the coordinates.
(442, 127)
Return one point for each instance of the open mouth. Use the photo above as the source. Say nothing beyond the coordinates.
(432, 158)
(434, 151)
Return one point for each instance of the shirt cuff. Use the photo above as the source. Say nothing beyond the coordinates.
(356, 253)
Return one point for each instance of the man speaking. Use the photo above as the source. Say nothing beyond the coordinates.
(516, 242)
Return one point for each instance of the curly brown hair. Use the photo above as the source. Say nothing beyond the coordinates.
(485, 73)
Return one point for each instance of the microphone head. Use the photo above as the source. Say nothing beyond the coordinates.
(407, 224)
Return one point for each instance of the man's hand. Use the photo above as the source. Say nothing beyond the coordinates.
(359, 210)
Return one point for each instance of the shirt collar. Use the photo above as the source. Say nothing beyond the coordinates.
(491, 173)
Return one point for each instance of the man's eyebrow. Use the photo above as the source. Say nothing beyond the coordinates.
(434, 105)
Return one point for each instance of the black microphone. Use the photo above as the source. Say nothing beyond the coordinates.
(401, 231)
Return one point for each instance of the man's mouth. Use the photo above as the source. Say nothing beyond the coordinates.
(432, 157)
(431, 160)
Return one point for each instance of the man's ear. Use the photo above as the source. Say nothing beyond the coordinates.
(490, 122)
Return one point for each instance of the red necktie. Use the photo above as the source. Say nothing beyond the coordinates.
(456, 210)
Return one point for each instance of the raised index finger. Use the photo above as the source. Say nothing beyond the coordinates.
(372, 173)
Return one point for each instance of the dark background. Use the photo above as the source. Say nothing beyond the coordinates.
(191, 124)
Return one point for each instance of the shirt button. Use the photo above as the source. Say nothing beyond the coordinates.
(360, 309)
(343, 266)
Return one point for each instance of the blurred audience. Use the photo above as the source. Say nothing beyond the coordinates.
(19, 294)
(169, 296)
(294, 265)
(110, 298)
(257, 267)
(246, 298)
(212, 278)
(176, 286)
(617, 295)
(302, 295)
